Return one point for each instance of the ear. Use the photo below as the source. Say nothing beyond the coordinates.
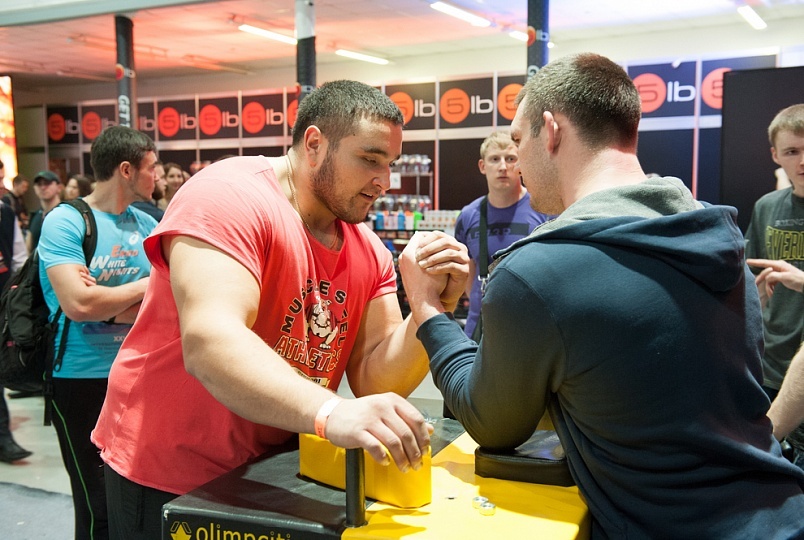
(774, 156)
(552, 130)
(313, 145)
(482, 166)
(125, 169)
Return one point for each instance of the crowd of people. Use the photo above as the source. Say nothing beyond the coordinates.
(616, 303)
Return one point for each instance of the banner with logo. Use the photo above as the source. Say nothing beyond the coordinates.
(507, 90)
(146, 111)
(712, 72)
(263, 115)
(417, 103)
(94, 119)
(466, 103)
(63, 126)
(293, 107)
(218, 118)
(176, 120)
(665, 89)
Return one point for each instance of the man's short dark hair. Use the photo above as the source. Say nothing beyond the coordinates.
(337, 106)
(115, 145)
(595, 94)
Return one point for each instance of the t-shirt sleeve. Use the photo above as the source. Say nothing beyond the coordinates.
(61, 241)
(226, 212)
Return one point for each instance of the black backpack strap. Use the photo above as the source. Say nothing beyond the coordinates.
(89, 244)
(483, 256)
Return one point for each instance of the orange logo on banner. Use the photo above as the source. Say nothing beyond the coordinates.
(169, 121)
(505, 100)
(405, 104)
(56, 128)
(652, 91)
(209, 119)
(253, 117)
(455, 105)
(293, 110)
(712, 88)
(91, 125)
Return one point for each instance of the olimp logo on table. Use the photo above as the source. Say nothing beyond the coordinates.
(181, 530)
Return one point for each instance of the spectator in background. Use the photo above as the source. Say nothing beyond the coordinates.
(12, 256)
(101, 302)
(787, 409)
(15, 199)
(509, 217)
(77, 186)
(48, 189)
(776, 233)
(174, 179)
(150, 206)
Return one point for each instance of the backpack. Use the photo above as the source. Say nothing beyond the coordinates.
(28, 337)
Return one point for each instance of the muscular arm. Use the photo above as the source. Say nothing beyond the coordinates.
(499, 389)
(787, 410)
(387, 356)
(83, 302)
(242, 372)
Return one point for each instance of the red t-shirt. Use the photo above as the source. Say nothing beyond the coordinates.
(161, 428)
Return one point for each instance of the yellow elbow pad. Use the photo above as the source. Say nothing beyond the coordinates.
(324, 462)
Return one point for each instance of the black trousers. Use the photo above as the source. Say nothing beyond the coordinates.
(135, 511)
(5, 418)
(76, 407)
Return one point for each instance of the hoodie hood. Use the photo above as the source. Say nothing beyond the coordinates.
(661, 218)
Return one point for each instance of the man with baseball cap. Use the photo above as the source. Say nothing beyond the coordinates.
(48, 188)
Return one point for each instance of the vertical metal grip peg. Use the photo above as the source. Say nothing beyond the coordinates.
(355, 488)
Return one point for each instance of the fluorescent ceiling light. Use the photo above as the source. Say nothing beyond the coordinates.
(262, 32)
(363, 57)
(751, 16)
(516, 34)
(472, 19)
(522, 36)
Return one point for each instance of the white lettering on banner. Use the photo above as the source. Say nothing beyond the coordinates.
(124, 110)
(680, 92)
(423, 109)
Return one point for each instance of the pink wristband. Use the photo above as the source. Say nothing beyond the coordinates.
(322, 416)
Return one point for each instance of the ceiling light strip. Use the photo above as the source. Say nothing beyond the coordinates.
(262, 32)
(363, 57)
(471, 18)
(752, 17)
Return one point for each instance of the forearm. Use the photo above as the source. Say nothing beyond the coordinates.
(242, 372)
(100, 303)
(787, 410)
(398, 364)
(129, 315)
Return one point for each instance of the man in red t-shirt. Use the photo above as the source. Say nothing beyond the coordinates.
(266, 288)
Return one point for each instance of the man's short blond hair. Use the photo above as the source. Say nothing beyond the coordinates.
(498, 139)
(790, 119)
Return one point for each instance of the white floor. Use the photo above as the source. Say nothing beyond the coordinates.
(44, 469)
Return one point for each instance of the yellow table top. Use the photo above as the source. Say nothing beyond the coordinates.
(523, 510)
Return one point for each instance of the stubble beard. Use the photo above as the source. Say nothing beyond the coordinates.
(324, 188)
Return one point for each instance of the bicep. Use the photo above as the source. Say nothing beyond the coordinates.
(208, 285)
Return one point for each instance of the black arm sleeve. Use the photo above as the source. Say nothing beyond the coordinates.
(500, 389)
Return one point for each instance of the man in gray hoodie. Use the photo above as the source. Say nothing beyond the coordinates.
(631, 318)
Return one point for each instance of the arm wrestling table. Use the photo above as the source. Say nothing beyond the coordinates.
(267, 499)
